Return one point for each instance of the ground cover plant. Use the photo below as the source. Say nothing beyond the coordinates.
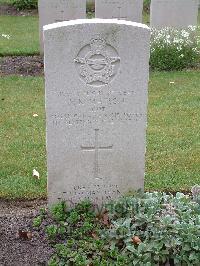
(173, 49)
(6, 2)
(173, 153)
(25, 4)
(144, 229)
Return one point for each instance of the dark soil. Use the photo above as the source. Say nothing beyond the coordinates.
(22, 65)
(10, 10)
(15, 249)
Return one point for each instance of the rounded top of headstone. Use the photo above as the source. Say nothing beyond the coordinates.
(94, 21)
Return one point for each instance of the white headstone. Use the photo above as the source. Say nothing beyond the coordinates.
(173, 13)
(51, 11)
(96, 74)
(120, 9)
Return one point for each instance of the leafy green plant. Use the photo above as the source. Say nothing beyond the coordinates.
(37, 221)
(144, 229)
(25, 4)
(59, 211)
(52, 231)
(173, 49)
(146, 5)
(157, 227)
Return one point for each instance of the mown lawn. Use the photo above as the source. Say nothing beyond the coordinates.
(173, 139)
(22, 36)
(22, 137)
(173, 150)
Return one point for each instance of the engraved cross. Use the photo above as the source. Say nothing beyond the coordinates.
(96, 148)
(119, 14)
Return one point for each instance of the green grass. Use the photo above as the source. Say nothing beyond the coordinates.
(24, 35)
(173, 150)
(146, 18)
(22, 137)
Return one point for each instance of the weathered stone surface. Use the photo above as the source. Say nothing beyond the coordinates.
(96, 106)
(119, 9)
(173, 13)
(51, 11)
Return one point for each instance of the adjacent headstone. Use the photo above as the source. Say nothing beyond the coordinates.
(173, 13)
(96, 74)
(120, 9)
(51, 11)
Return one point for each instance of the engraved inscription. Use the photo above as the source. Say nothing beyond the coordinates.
(95, 96)
(96, 149)
(97, 63)
(56, 5)
(96, 193)
(119, 16)
(70, 119)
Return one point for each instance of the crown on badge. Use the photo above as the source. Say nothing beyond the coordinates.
(97, 44)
